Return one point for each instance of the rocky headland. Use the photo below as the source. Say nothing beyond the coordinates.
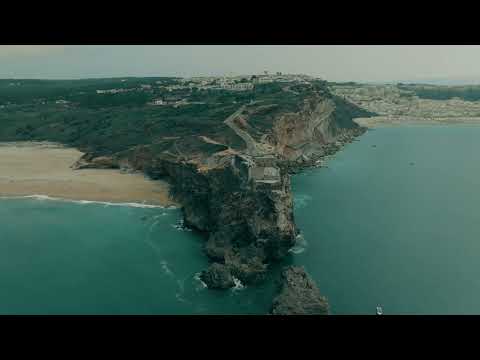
(233, 183)
(226, 155)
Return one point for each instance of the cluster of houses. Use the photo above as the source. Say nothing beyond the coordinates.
(234, 83)
(114, 91)
(230, 83)
(143, 87)
(174, 101)
(110, 91)
(235, 86)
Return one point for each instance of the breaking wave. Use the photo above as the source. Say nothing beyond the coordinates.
(83, 202)
(201, 284)
(238, 284)
(300, 245)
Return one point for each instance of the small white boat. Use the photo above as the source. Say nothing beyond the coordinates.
(379, 310)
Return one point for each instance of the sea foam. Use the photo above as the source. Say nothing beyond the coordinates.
(238, 284)
(202, 284)
(300, 245)
(84, 202)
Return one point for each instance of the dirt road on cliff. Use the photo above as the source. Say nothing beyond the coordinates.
(251, 144)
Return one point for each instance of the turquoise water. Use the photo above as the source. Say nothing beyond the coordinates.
(396, 225)
(61, 257)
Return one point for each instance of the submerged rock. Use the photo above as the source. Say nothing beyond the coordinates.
(299, 295)
(217, 276)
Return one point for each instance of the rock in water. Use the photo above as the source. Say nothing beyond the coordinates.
(217, 276)
(299, 295)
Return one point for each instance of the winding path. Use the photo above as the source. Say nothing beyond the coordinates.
(251, 144)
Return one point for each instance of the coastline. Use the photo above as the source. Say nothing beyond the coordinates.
(43, 170)
(85, 202)
(393, 121)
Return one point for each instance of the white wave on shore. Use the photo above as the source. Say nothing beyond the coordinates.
(238, 284)
(300, 245)
(202, 285)
(83, 202)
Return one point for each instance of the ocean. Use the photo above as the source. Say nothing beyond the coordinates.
(61, 257)
(393, 222)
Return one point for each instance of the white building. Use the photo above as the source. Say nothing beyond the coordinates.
(264, 79)
(236, 86)
(158, 102)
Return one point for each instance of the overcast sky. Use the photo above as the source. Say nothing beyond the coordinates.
(334, 63)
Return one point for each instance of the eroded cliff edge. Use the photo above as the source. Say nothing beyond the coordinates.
(233, 181)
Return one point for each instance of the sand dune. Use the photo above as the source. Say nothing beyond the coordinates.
(44, 169)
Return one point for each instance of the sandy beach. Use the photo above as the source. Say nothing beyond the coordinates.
(45, 169)
(390, 121)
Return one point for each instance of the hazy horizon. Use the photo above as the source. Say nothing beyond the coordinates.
(359, 63)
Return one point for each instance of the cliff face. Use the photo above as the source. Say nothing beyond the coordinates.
(241, 199)
(246, 215)
(322, 126)
(296, 134)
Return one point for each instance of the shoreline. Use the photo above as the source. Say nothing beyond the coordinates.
(41, 197)
(320, 160)
(395, 121)
(43, 170)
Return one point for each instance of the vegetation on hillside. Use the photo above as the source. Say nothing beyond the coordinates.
(73, 113)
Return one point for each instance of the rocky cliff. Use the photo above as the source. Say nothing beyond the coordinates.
(298, 295)
(240, 196)
(246, 215)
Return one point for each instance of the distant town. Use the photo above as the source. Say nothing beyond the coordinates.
(203, 83)
(392, 100)
(155, 91)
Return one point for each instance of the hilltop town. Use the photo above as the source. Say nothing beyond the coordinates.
(165, 91)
